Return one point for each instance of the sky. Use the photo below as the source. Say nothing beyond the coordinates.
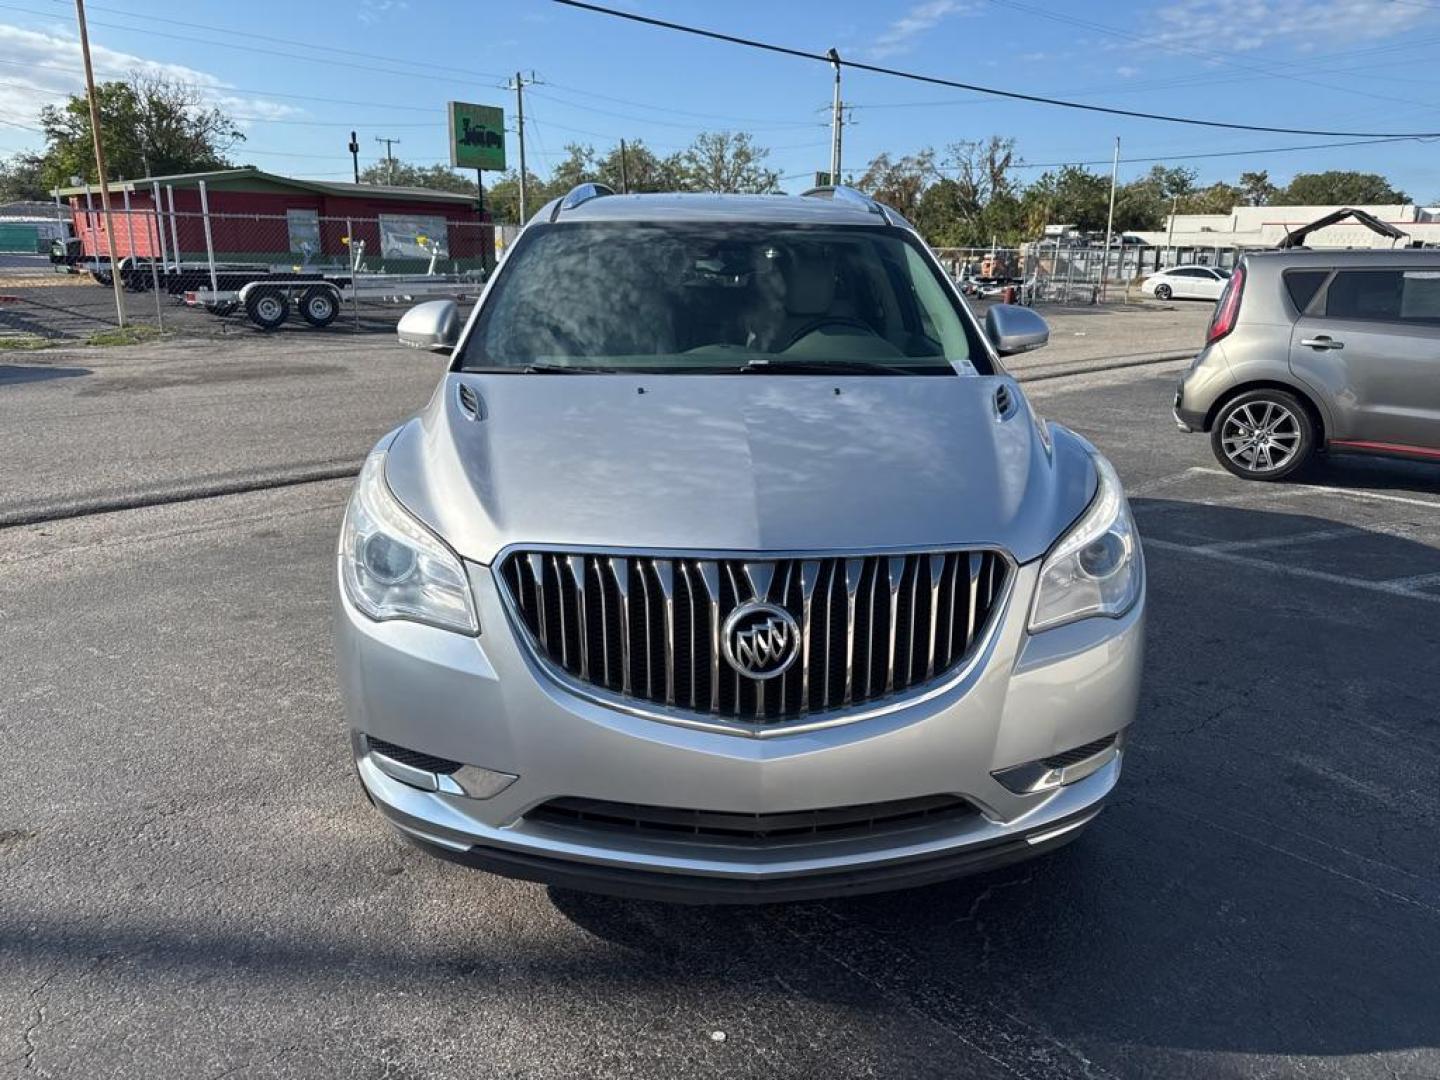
(301, 75)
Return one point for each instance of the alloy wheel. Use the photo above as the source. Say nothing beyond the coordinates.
(1261, 436)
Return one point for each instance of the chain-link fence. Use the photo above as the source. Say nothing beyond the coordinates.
(1069, 272)
(203, 274)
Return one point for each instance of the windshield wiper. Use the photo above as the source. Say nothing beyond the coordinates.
(834, 367)
(565, 369)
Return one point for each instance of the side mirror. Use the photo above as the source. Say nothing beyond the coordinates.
(1014, 329)
(434, 325)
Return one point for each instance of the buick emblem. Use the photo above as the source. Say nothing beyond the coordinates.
(760, 640)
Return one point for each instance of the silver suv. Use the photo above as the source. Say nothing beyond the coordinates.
(1315, 350)
(727, 563)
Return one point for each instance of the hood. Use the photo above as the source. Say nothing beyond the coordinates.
(764, 463)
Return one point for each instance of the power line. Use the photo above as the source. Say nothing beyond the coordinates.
(765, 121)
(934, 80)
(369, 68)
(1211, 154)
(301, 44)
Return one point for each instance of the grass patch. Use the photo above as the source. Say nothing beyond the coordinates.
(24, 342)
(136, 334)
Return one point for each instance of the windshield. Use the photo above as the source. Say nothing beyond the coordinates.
(720, 298)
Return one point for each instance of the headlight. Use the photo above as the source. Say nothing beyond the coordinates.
(1096, 567)
(395, 568)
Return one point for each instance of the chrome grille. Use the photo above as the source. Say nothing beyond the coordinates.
(648, 627)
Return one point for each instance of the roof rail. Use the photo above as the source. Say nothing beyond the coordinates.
(843, 193)
(580, 193)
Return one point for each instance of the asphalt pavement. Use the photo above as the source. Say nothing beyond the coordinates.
(192, 885)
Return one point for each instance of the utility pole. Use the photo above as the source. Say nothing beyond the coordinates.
(518, 85)
(1110, 221)
(624, 171)
(100, 163)
(837, 121)
(389, 159)
(1170, 235)
(355, 155)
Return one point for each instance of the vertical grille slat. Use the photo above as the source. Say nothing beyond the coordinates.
(620, 575)
(895, 574)
(854, 570)
(936, 565)
(665, 578)
(648, 627)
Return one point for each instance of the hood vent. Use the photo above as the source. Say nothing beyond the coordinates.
(1004, 402)
(469, 402)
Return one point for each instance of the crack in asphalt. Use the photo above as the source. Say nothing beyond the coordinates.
(27, 1036)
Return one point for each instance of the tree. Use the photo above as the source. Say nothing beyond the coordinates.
(1338, 188)
(1072, 196)
(900, 183)
(982, 174)
(1256, 188)
(403, 174)
(153, 126)
(643, 169)
(1218, 198)
(502, 198)
(22, 178)
(728, 161)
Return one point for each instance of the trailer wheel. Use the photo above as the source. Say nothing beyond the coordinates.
(267, 308)
(102, 277)
(319, 306)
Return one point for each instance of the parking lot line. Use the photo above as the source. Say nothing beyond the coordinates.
(1323, 489)
(1394, 587)
(1314, 536)
(1419, 581)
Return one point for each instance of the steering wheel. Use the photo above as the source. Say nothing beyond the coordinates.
(826, 320)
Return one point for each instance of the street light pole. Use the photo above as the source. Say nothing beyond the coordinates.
(1110, 221)
(100, 163)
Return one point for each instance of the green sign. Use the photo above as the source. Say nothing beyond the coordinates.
(477, 136)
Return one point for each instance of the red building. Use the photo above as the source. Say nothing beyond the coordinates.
(259, 217)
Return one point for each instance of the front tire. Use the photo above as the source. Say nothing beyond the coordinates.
(267, 308)
(1263, 435)
(1163, 292)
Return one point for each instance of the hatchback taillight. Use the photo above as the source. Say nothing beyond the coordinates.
(1228, 307)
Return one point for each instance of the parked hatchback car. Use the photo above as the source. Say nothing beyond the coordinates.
(1186, 282)
(1319, 350)
(727, 563)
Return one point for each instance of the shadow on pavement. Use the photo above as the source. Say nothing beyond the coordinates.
(25, 373)
(1266, 863)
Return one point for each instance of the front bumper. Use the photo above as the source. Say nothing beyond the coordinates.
(484, 702)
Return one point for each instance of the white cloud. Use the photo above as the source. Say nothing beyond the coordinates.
(1251, 25)
(1127, 72)
(47, 67)
(372, 11)
(900, 35)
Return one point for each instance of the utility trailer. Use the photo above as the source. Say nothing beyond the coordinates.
(318, 296)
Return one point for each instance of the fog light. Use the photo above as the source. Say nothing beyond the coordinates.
(474, 782)
(1045, 774)
(430, 773)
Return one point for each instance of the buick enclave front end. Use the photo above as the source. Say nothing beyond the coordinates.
(727, 564)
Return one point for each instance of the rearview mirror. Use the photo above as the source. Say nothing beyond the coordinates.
(1013, 329)
(434, 325)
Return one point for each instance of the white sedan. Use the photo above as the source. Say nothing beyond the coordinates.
(1186, 282)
